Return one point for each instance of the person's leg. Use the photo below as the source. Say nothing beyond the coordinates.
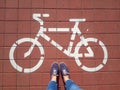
(53, 74)
(69, 84)
(52, 85)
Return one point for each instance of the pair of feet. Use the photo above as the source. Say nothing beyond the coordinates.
(54, 72)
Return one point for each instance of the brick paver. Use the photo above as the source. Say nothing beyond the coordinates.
(102, 22)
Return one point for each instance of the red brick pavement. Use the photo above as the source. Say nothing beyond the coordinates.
(102, 22)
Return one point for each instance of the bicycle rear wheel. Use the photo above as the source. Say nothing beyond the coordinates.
(78, 57)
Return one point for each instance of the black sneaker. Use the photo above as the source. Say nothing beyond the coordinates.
(64, 69)
(54, 69)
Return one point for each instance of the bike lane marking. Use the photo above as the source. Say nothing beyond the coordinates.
(45, 15)
(56, 45)
(92, 69)
(58, 29)
(76, 55)
(105, 52)
(46, 37)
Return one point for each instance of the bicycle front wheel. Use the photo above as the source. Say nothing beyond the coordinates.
(78, 56)
(12, 58)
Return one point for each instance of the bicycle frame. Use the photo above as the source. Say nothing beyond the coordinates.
(75, 30)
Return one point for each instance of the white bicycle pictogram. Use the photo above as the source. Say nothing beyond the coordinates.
(75, 31)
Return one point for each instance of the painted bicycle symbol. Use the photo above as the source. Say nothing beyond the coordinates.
(76, 55)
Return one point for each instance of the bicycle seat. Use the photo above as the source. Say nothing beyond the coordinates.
(77, 20)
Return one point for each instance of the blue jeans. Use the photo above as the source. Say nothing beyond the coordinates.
(69, 84)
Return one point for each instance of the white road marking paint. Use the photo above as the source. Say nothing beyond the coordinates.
(73, 36)
(56, 45)
(28, 70)
(45, 15)
(70, 46)
(68, 52)
(52, 29)
(78, 62)
(45, 37)
(36, 17)
(90, 52)
(105, 52)
(63, 29)
(92, 69)
(58, 29)
(12, 50)
(77, 59)
(77, 20)
(12, 61)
